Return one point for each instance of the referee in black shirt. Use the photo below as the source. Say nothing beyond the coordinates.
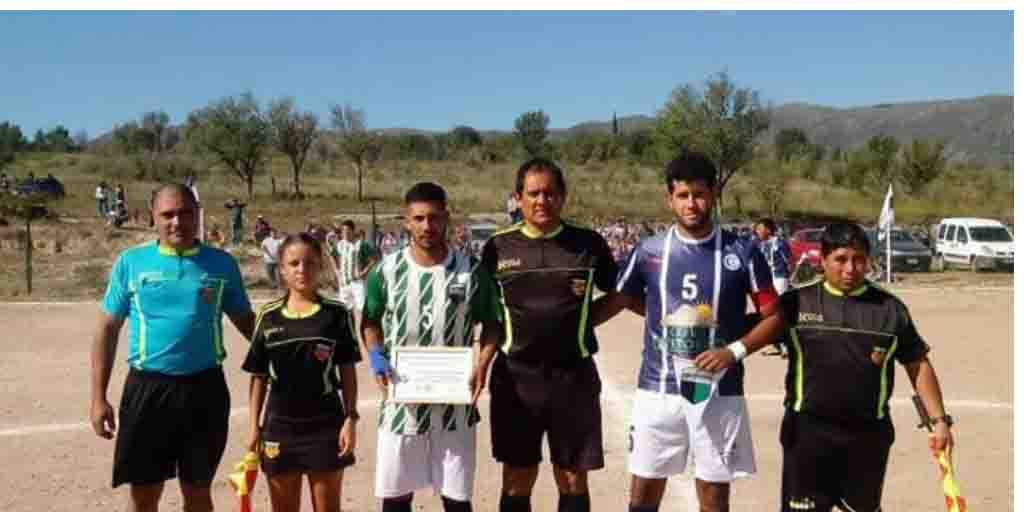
(845, 335)
(544, 380)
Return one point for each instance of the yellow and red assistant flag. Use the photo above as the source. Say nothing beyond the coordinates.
(950, 488)
(243, 479)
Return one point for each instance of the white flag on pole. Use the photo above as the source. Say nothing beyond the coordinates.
(886, 218)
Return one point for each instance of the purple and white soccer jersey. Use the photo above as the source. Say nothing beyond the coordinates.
(695, 293)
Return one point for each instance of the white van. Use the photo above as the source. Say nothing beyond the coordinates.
(976, 243)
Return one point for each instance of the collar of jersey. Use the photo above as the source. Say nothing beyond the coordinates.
(407, 254)
(295, 315)
(168, 251)
(839, 293)
(679, 236)
(530, 233)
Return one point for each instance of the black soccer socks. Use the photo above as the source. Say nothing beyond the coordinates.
(573, 503)
(514, 503)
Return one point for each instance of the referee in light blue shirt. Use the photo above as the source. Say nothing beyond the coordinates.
(174, 410)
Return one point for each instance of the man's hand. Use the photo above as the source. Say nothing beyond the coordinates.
(940, 438)
(102, 417)
(715, 360)
(478, 382)
(347, 439)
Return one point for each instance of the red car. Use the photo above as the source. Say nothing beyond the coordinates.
(806, 245)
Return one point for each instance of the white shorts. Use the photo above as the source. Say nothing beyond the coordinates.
(441, 459)
(781, 284)
(666, 426)
(353, 295)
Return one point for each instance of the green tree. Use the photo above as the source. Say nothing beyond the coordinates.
(922, 162)
(464, 137)
(294, 134)
(236, 132)
(790, 142)
(355, 142)
(531, 128)
(883, 151)
(154, 126)
(129, 138)
(59, 140)
(723, 121)
(11, 142)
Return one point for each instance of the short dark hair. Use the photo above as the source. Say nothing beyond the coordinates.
(300, 238)
(768, 223)
(426, 192)
(690, 166)
(179, 188)
(844, 234)
(348, 222)
(540, 164)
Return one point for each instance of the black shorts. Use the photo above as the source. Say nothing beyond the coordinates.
(171, 426)
(292, 445)
(564, 402)
(826, 463)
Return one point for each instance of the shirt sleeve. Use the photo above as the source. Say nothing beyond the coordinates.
(376, 295)
(485, 305)
(236, 300)
(347, 349)
(631, 278)
(789, 305)
(605, 268)
(257, 361)
(762, 288)
(911, 347)
(117, 299)
(489, 257)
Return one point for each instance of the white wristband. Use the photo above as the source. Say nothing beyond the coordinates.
(738, 349)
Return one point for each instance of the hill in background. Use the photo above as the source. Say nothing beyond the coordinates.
(977, 129)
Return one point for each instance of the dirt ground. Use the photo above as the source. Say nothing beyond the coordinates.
(55, 462)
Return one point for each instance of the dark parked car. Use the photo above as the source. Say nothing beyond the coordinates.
(48, 185)
(908, 254)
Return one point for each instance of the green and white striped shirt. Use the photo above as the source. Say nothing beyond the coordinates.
(351, 256)
(429, 307)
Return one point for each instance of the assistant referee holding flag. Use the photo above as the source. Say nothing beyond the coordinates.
(844, 334)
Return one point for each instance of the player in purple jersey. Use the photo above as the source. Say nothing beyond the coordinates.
(693, 282)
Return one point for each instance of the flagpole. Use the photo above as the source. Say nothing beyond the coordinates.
(888, 253)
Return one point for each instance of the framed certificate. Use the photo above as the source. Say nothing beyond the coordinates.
(432, 375)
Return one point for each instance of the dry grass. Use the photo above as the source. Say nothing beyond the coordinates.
(71, 252)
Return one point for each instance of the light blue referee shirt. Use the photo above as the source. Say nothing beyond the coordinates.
(173, 302)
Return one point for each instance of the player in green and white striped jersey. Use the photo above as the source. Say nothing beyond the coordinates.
(355, 259)
(428, 295)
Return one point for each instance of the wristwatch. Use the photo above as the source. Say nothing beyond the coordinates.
(353, 415)
(947, 419)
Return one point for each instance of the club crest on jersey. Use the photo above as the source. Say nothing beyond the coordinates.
(269, 331)
(878, 355)
(208, 295)
(271, 449)
(322, 352)
(731, 262)
(507, 264)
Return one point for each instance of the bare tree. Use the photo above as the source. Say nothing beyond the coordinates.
(235, 131)
(294, 133)
(155, 125)
(358, 145)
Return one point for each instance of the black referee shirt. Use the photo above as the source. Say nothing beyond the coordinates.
(546, 284)
(301, 355)
(842, 350)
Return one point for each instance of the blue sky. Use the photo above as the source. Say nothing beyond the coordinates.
(89, 71)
